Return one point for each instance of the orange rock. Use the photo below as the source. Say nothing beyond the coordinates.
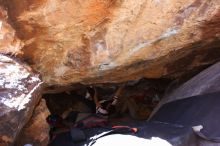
(9, 43)
(99, 41)
(36, 131)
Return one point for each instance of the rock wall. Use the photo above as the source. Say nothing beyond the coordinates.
(20, 91)
(207, 81)
(9, 42)
(100, 41)
(36, 131)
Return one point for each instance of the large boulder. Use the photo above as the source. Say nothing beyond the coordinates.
(19, 93)
(207, 81)
(98, 41)
(36, 131)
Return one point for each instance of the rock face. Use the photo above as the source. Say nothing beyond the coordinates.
(207, 81)
(19, 93)
(97, 41)
(36, 132)
(9, 43)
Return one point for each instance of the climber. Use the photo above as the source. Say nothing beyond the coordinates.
(103, 107)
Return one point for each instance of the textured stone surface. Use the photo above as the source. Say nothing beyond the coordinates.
(19, 93)
(36, 132)
(9, 43)
(97, 41)
(207, 81)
